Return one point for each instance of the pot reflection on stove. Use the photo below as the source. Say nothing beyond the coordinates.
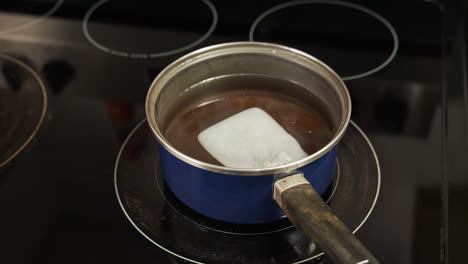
(299, 242)
(249, 252)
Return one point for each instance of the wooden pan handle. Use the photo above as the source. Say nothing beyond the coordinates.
(310, 214)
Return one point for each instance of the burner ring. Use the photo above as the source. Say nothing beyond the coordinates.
(156, 220)
(363, 9)
(34, 21)
(120, 53)
(38, 90)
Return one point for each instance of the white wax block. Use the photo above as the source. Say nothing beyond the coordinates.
(250, 139)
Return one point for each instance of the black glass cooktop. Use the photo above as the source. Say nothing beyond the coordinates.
(401, 60)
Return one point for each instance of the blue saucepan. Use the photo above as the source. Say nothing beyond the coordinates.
(246, 196)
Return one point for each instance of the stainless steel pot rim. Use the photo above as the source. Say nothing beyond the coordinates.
(228, 48)
(135, 55)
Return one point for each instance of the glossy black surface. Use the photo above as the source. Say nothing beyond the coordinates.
(455, 101)
(23, 105)
(57, 200)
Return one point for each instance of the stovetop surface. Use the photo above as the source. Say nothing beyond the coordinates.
(97, 59)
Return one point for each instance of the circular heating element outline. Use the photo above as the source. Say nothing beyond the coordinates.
(43, 92)
(34, 21)
(146, 55)
(339, 3)
(141, 210)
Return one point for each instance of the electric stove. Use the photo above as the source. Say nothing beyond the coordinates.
(85, 67)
